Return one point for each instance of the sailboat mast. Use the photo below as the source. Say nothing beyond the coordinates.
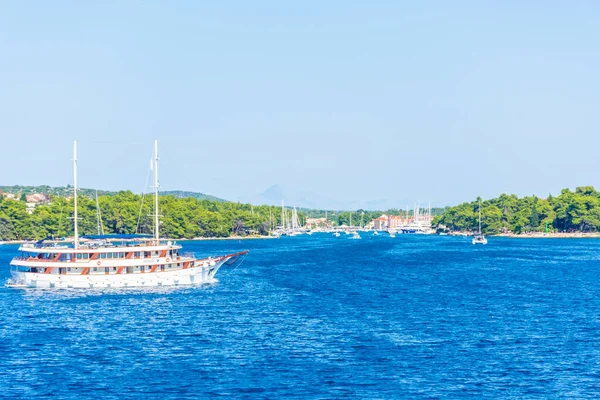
(429, 211)
(75, 227)
(97, 213)
(295, 220)
(480, 217)
(156, 235)
(415, 213)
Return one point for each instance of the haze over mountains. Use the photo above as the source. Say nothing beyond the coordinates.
(306, 199)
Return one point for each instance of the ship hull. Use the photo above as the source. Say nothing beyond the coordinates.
(197, 274)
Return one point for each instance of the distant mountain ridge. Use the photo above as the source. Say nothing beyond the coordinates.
(274, 194)
(196, 195)
(271, 196)
(65, 191)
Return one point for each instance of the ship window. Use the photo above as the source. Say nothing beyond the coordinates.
(69, 269)
(121, 255)
(137, 254)
(106, 269)
(79, 256)
(146, 254)
(109, 255)
(162, 267)
(85, 256)
(95, 269)
(114, 268)
(102, 255)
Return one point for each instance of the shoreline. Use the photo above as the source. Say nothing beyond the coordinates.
(187, 239)
(535, 235)
(540, 235)
(230, 238)
(556, 235)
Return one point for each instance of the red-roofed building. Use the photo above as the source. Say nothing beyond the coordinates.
(380, 223)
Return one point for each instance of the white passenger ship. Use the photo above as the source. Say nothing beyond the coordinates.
(107, 261)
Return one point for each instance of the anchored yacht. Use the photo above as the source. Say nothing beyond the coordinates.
(479, 238)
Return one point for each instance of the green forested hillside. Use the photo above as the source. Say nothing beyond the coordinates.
(196, 195)
(67, 191)
(577, 210)
(53, 191)
(189, 217)
(125, 212)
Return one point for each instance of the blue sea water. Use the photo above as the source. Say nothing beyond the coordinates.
(323, 317)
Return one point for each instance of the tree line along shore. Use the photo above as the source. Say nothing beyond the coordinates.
(128, 213)
(571, 213)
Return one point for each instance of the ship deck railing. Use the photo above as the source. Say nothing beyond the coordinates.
(94, 245)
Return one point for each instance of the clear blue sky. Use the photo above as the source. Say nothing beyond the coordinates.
(438, 100)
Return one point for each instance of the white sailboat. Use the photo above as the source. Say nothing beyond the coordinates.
(295, 224)
(479, 238)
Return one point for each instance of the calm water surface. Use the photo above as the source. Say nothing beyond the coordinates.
(323, 317)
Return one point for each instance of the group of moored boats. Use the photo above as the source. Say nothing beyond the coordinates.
(478, 238)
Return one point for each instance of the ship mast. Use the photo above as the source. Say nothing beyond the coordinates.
(99, 217)
(283, 217)
(480, 217)
(156, 191)
(76, 231)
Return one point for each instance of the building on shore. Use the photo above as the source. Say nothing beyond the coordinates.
(31, 200)
(380, 224)
(312, 223)
(37, 198)
(418, 221)
(10, 196)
